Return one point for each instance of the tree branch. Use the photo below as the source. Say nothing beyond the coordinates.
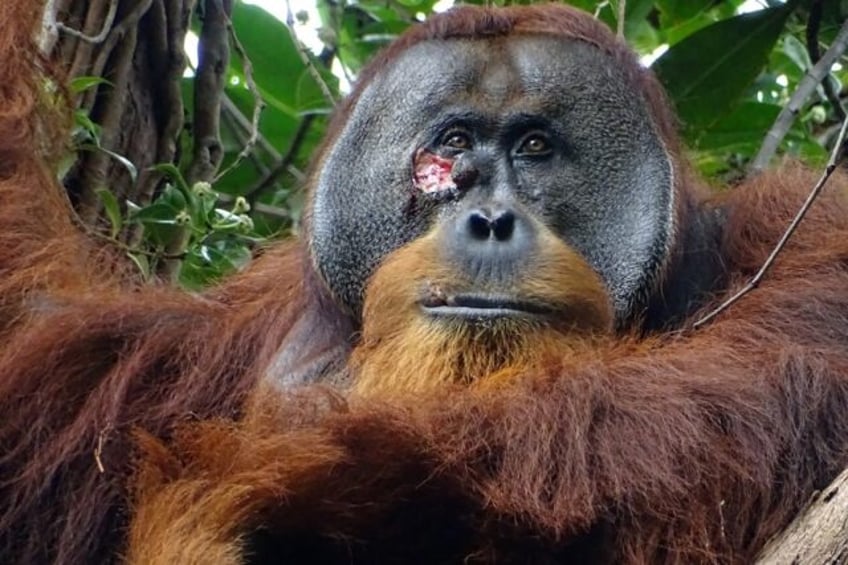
(95, 14)
(755, 281)
(49, 28)
(819, 534)
(104, 31)
(622, 13)
(229, 122)
(129, 24)
(812, 36)
(304, 56)
(283, 164)
(213, 60)
(95, 166)
(171, 22)
(245, 125)
(806, 87)
(258, 103)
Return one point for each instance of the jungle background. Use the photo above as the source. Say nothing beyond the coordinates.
(195, 120)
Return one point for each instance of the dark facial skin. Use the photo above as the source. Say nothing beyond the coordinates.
(540, 127)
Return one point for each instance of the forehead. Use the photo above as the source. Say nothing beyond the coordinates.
(518, 70)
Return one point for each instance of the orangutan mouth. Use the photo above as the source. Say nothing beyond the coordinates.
(480, 306)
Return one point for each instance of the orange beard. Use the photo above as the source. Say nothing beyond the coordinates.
(403, 350)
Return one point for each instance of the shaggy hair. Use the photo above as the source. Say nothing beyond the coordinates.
(136, 425)
(690, 447)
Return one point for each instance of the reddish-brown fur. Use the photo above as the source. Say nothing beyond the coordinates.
(688, 447)
(86, 354)
(435, 354)
(683, 448)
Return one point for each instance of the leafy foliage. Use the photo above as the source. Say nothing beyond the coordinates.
(728, 70)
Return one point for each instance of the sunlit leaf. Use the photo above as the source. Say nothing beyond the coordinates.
(81, 84)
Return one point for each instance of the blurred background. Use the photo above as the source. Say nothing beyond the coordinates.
(195, 120)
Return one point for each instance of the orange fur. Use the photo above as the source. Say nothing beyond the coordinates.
(694, 447)
(235, 476)
(686, 447)
(403, 351)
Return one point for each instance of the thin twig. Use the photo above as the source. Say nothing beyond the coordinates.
(230, 108)
(285, 161)
(599, 8)
(806, 87)
(258, 103)
(755, 281)
(238, 118)
(622, 12)
(104, 31)
(307, 60)
(127, 25)
(229, 123)
(284, 164)
(98, 450)
(812, 37)
(91, 18)
(93, 232)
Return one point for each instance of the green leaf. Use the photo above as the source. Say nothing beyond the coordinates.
(677, 11)
(172, 172)
(276, 60)
(208, 262)
(706, 73)
(224, 220)
(797, 51)
(84, 124)
(276, 125)
(189, 201)
(742, 130)
(81, 84)
(174, 197)
(112, 208)
(674, 34)
(128, 165)
(141, 261)
(156, 213)
(411, 3)
(807, 150)
(160, 222)
(132, 208)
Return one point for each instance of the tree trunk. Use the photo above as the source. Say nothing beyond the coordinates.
(819, 535)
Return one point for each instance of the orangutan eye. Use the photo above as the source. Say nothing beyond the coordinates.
(457, 140)
(535, 144)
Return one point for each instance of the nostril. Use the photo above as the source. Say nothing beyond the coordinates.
(479, 225)
(498, 225)
(503, 225)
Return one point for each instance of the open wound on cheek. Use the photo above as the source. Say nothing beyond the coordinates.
(432, 173)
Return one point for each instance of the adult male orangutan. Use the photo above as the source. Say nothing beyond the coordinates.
(480, 351)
